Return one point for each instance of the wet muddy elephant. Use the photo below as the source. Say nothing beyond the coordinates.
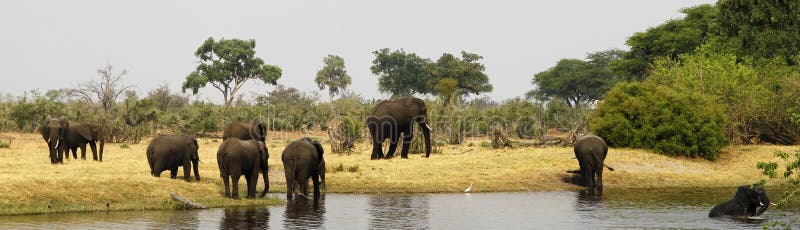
(253, 130)
(62, 136)
(303, 159)
(392, 117)
(749, 201)
(237, 157)
(172, 151)
(590, 150)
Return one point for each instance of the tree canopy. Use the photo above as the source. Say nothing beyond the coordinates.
(577, 81)
(452, 77)
(400, 73)
(764, 29)
(227, 64)
(333, 76)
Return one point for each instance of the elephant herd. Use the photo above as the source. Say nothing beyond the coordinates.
(243, 153)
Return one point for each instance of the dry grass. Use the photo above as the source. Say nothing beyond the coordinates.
(29, 183)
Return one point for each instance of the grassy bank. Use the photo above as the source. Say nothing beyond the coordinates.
(30, 184)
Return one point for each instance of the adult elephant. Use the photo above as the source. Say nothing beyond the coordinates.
(591, 150)
(749, 201)
(302, 159)
(392, 117)
(237, 157)
(254, 130)
(53, 130)
(169, 152)
(78, 134)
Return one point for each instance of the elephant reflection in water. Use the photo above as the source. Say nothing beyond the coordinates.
(399, 212)
(245, 218)
(304, 214)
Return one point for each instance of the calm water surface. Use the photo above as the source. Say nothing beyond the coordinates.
(636, 208)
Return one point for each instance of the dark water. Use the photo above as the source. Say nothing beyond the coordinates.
(637, 208)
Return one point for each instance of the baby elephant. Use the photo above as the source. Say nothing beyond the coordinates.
(170, 152)
(744, 204)
(243, 157)
(303, 159)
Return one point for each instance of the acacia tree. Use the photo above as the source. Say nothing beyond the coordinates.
(227, 65)
(577, 81)
(333, 76)
(400, 73)
(764, 29)
(453, 77)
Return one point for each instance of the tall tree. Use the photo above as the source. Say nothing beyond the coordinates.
(674, 37)
(103, 92)
(333, 76)
(577, 81)
(227, 65)
(400, 73)
(765, 29)
(453, 77)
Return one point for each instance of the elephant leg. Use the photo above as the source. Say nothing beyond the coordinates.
(392, 146)
(599, 183)
(315, 182)
(93, 146)
(235, 184)
(377, 149)
(290, 182)
(226, 181)
(187, 170)
(252, 181)
(406, 143)
(83, 152)
(304, 187)
(173, 172)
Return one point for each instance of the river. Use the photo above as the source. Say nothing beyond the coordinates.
(624, 208)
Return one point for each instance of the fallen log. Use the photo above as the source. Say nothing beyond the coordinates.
(187, 204)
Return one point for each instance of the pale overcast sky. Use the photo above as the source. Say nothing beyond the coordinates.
(56, 44)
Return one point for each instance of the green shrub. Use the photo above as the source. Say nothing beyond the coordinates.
(346, 134)
(124, 146)
(650, 116)
(4, 145)
(352, 169)
(339, 168)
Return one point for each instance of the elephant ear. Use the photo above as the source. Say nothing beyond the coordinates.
(320, 151)
(193, 155)
(262, 131)
(64, 122)
(262, 148)
(86, 131)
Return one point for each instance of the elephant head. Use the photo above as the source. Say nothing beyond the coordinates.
(258, 130)
(321, 163)
(194, 157)
(757, 196)
(53, 130)
(263, 153)
(421, 118)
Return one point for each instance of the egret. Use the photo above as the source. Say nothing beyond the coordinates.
(468, 188)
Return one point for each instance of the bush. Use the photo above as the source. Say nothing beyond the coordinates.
(346, 134)
(4, 145)
(650, 116)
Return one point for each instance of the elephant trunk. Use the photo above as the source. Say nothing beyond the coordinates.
(426, 132)
(764, 205)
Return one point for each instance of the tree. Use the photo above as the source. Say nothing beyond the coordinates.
(104, 92)
(451, 78)
(674, 37)
(227, 65)
(764, 29)
(164, 99)
(333, 76)
(577, 81)
(400, 73)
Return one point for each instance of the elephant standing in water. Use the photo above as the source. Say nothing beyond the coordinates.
(242, 157)
(254, 130)
(749, 201)
(591, 150)
(171, 152)
(392, 117)
(62, 136)
(303, 159)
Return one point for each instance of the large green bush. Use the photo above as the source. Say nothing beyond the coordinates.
(666, 120)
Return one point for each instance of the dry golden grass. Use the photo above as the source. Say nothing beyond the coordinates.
(29, 183)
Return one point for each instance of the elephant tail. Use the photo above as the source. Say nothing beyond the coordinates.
(609, 168)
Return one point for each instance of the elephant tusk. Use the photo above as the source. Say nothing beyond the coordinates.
(57, 143)
(428, 127)
(760, 203)
(773, 204)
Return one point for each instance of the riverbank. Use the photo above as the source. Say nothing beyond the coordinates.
(30, 184)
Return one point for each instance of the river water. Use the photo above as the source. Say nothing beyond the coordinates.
(630, 208)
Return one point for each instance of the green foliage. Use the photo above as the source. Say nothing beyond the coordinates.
(136, 113)
(4, 145)
(668, 40)
(577, 81)
(452, 77)
(666, 120)
(227, 64)
(124, 146)
(764, 29)
(289, 109)
(199, 118)
(791, 186)
(339, 168)
(346, 134)
(32, 108)
(352, 169)
(400, 73)
(333, 75)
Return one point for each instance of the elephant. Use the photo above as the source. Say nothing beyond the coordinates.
(303, 159)
(390, 118)
(591, 150)
(168, 152)
(237, 157)
(78, 134)
(254, 130)
(63, 135)
(53, 130)
(749, 201)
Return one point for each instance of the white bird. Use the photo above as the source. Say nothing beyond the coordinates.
(468, 188)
